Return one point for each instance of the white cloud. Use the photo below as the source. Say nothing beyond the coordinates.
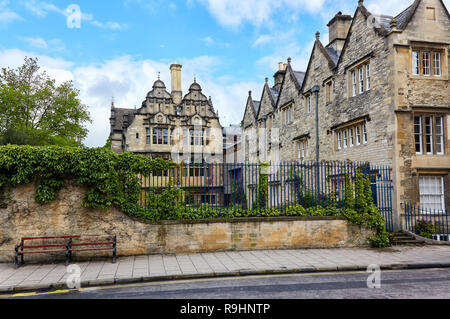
(208, 40)
(263, 39)
(37, 43)
(233, 13)
(109, 25)
(42, 44)
(7, 16)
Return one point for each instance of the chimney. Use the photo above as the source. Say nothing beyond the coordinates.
(279, 76)
(338, 28)
(175, 74)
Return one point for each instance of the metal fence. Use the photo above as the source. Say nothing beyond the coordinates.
(306, 183)
(429, 223)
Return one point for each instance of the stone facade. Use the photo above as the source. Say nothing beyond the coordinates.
(168, 126)
(65, 216)
(370, 98)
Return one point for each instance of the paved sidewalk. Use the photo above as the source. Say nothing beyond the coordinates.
(165, 267)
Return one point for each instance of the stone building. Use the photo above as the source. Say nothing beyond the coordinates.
(383, 97)
(168, 125)
(185, 129)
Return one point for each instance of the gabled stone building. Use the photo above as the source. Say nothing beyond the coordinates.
(185, 129)
(167, 125)
(384, 97)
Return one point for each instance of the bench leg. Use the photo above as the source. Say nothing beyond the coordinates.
(16, 257)
(114, 249)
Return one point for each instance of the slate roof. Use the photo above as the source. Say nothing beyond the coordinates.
(122, 116)
(334, 55)
(256, 106)
(275, 94)
(300, 76)
(404, 17)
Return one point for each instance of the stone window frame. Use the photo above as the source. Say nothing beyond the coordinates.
(196, 137)
(351, 135)
(308, 103)
(287, 113)
(158, 132)
(359, 79)
(302, 148)
(423, 176)
(329, 87)
(422, 133)
(417, 61)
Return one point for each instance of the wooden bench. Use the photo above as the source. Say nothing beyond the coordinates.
(68, 245)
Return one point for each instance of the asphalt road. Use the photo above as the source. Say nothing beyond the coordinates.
(403, 284)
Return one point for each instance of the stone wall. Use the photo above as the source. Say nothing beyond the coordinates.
(65, 216)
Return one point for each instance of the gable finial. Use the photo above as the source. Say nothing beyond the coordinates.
(159, 75)
(195, 78)
(317, 35)
(393, 23)
(112, 102)
(360, 2)
(289, 60)
(249, 93)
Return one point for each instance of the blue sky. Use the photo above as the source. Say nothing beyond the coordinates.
(121, 45)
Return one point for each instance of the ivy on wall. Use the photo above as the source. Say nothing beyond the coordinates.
(112, 179)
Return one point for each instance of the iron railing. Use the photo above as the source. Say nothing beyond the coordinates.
(306, 183)
(428, 223)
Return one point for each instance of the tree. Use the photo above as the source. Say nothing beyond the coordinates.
(35, 110)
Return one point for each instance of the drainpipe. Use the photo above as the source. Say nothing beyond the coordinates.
(316, 90)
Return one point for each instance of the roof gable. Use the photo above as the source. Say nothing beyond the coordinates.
(250, 112)
(328, 53)
(284, 95)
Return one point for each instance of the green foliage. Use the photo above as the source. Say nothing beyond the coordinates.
(424, 228)
(35, 110)
(263, 185)
(111, 178)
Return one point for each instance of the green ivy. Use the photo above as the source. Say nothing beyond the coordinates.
(112, 179)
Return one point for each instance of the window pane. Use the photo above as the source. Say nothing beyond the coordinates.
(354, 83)
(416, 63)
(358, 135)
(431, 192)
(339, 140)
(439, 135)
(361, 80)
(418, 133)
(364, 133)
(428, 135)
(426, 63)
(345, 138)
(368, 77)
(437, 63)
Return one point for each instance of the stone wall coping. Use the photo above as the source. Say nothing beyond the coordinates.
(243, 220)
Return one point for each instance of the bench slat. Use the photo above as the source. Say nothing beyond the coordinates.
(43, 246)
(91, 244)
(40, 252)
(89, 249)
(54, 237)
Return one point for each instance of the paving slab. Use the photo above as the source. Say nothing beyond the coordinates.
(165, 267)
